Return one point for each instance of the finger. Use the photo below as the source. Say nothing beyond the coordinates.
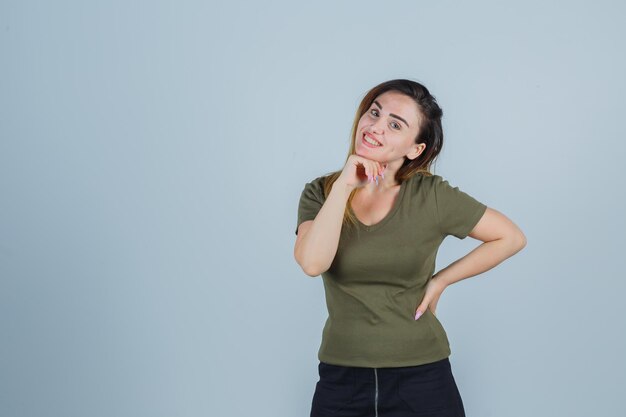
(383, 167)
(361, 168)
(357, 160)
(420, 310)
(363, 173)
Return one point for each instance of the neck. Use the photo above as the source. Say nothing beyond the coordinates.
(390, 176)
(388, 183)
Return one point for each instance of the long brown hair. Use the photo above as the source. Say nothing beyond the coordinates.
(430, 133)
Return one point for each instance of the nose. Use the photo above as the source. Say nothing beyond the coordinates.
(378, 126)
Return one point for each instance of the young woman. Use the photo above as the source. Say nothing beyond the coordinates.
(372, 230)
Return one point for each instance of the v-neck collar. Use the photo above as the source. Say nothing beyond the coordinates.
(396, 205)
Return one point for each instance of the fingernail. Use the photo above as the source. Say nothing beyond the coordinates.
(382, 175)
(418, 314)
(377, 180)
(369, 178)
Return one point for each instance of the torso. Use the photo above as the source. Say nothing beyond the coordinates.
(371, 209)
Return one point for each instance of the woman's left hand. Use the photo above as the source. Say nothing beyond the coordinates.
(434, 288)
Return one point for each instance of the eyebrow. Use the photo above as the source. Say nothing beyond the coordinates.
(391, 114)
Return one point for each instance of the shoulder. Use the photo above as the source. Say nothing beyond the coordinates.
(429, 187)
(317, 182)
(430, 182)
(423, 182)
(314, 188)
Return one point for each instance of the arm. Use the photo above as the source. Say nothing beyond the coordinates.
(317, 240)
(501, 240)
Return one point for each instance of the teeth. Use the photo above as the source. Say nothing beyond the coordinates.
(370, 140)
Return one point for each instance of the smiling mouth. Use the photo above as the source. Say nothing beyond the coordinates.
(371, 141)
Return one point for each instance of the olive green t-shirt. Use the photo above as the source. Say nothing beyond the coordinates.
(379, 275)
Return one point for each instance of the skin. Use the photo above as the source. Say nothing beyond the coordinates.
(374, 199)
(397, 138)
(500, 237)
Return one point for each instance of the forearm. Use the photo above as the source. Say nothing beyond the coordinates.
(481, 259)
(319, 245)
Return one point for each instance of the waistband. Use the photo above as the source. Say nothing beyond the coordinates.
(360, 371)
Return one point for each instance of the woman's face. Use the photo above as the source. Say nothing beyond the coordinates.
(392, 120)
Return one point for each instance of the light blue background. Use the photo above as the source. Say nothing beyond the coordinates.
(152, 155)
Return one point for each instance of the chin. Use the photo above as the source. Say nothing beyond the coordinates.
(366, 155)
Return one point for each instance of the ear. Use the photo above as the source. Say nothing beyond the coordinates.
(416, 150)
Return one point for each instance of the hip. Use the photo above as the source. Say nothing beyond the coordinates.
(387, 391)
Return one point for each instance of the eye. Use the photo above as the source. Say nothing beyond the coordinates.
(374, 112)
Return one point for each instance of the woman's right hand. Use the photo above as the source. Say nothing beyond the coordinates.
(359, 171)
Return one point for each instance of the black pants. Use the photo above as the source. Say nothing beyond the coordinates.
(427, 390)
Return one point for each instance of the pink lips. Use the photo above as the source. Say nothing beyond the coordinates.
(368, 144)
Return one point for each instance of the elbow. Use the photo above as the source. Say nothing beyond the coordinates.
(309, 268)
(312, 272)
(523, 242)
(312, 269)
(521, 239)
(518, 241)
(512, 242)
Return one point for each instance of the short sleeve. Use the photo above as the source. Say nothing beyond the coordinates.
(311, 201)
(457, 211)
